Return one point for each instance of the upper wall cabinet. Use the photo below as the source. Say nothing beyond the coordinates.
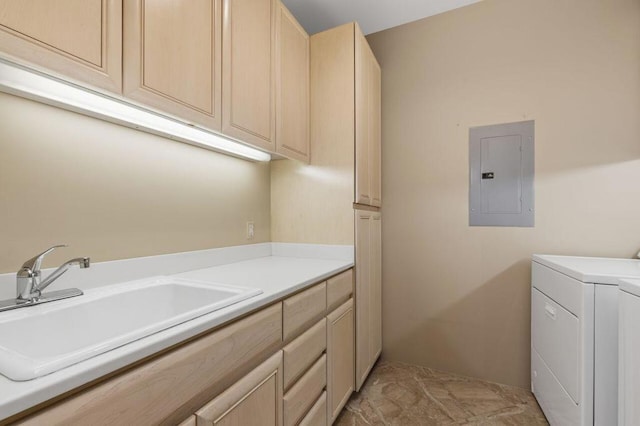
(248, 83)
(80, 39)
(238, 67)
(375, 131)
(173, 57)
(292, 85)
(344, 67)
(368, 122)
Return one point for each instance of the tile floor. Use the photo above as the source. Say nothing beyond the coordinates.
(400, 394)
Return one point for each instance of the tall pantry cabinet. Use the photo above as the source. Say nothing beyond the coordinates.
(344, 67)
(368, 199)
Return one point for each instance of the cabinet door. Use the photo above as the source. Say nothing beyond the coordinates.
(172, 57)
(375, 131)
(375, 287)
(340, 354)
(191, 421)
(248, 61)
(362, 71)
(78, 39)
(363, 281)
(368, 294)
(254, 400)
(292, 83)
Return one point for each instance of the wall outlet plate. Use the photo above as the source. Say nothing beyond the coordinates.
(250, 230)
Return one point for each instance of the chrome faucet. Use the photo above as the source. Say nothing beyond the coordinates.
(29, 286)
(28, 282)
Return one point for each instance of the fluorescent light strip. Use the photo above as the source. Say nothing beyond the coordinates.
(22, 82)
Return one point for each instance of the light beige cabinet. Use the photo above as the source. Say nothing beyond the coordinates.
(375, 131)
(292, 85)
(345, 109)
(367, 123)
(173, 58)
(238, 67)
(346, 106)
(191, 421)
(78, 39)
(254, 400)
(368, 292)
(248, 71)
(340, 356)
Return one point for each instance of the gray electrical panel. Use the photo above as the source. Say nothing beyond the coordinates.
(501, 169)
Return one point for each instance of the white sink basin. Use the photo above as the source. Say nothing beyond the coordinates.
(39, 340)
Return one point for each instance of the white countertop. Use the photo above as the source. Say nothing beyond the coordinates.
(279, 271)
(630, 286)
(601, 270)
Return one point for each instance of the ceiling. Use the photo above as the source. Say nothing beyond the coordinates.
(372, 15)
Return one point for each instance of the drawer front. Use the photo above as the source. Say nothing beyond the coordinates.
(555, 335)
(563, 289)
(301, 397)
(191, 421)
(174, 385)
(558, 406)
(303, 310)
(254, 400)
(339, 289)
(300, 354)
(317, 416)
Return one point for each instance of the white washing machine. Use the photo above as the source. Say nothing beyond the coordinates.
(574, 337)
(629, 353)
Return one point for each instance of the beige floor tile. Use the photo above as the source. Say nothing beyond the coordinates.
(401, 394)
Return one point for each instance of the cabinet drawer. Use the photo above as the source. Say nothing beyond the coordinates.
(300, 354)
(254, 400)
(302, 310)
(174, 385)
(339, 289)
(317, 416)
(191, 421)
(305, 392)
(555, 335)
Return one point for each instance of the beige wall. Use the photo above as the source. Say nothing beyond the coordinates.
(457, 298)
(113, 192)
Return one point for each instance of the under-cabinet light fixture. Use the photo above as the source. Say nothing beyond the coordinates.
(16, 80)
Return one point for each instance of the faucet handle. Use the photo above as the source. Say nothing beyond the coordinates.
(34, 263)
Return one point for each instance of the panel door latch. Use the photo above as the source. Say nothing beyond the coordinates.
(487, 175)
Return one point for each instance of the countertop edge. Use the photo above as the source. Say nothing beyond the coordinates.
(585, 277)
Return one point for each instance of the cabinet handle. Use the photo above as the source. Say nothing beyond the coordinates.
(550, 311)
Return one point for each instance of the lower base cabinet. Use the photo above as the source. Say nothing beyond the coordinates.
(341, 363)
(207, 376)
(254, 400)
